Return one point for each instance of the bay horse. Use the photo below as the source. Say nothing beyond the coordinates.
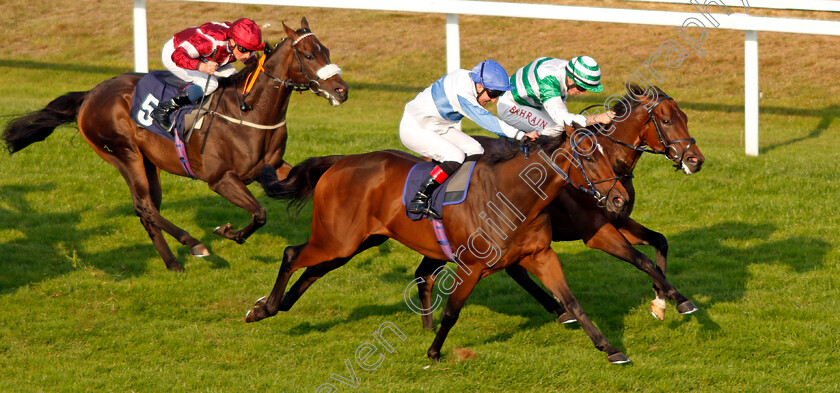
(501, 222)
(648, 120)
(228, 158)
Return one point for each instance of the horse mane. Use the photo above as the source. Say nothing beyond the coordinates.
(621, 108)
(248, 69)
(507, 148)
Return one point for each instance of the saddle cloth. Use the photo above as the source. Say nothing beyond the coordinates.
(452, 192)
(154, 88)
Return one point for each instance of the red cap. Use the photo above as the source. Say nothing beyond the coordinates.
(246, 33)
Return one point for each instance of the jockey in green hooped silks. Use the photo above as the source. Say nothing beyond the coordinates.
(537, 102)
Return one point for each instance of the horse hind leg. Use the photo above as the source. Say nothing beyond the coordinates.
(452, 311)
(144, 185)
(197, 249)
(425, 280)
(318, 263)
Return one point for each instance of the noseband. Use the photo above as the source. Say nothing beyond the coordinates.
(644, 148)
(326, 72)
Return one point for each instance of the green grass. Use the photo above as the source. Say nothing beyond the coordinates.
(87, 305)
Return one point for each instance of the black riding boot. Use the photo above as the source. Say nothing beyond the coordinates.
(420, 203)
(163, 111)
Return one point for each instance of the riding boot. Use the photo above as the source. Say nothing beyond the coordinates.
(163, 111)
(420, 203)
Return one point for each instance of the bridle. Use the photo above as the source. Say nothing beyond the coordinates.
(663, 139)
(326, 72)
(312, 84)
(589, 188)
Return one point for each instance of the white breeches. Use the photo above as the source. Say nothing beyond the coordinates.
(195, 77)
(445, 142)
(523, 117)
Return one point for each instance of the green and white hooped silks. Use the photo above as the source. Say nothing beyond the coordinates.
(586, 73)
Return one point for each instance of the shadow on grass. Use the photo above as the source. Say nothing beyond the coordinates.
(42, 245)
(702, 264)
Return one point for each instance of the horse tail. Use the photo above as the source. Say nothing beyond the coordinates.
(37, 126)
(299, 186)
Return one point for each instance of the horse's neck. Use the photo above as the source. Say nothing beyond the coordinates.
(624, 158)
(273, 100)
(528, 184)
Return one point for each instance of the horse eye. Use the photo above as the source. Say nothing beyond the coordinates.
(666, 121)
(309, 57)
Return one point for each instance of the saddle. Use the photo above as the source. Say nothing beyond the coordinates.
(452, 192)
(160, 86)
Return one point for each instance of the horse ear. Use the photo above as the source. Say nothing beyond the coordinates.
(289, 32)
(304, 24)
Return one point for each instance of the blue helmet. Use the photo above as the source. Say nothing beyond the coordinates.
(491, 75)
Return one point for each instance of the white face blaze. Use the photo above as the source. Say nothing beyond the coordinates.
(326, 72)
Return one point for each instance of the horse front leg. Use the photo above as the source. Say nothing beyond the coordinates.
(609, 239)
(546, 267)
(233, 189)
(638, 234)
(520, 275)
(268, 306)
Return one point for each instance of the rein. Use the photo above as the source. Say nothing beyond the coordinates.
(644, 148)
(590, 186)
(326, 72)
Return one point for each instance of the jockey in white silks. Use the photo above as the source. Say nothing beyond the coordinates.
(431, 123)
(541, 88)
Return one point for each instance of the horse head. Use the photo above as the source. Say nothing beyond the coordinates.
(662, 127)
(308, 66)
(589, 169)
(592, 172)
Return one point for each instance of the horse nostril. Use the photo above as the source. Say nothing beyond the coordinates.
(618, 202)
(693, 160)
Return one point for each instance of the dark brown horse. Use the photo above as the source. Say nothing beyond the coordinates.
(223, 153)
(501, 223)
(648, 121)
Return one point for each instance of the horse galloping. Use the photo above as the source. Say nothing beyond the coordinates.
(507, 188)
(647, 121)
(228, 158)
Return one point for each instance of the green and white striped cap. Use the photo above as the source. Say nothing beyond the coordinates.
(585, 72)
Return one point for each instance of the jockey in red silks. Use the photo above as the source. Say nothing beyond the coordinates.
(200, 54)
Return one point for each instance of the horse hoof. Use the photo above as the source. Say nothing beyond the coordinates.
(222, 229)
(175, 266)
(199, 250)
(566, 318)
(657, 309)
(251, 315)
(686, 307)
(618, 358)
(434, 356)
(260, 302)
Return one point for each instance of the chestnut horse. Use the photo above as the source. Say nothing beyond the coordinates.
(228, 158)
(647, 121)
(357, 204)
